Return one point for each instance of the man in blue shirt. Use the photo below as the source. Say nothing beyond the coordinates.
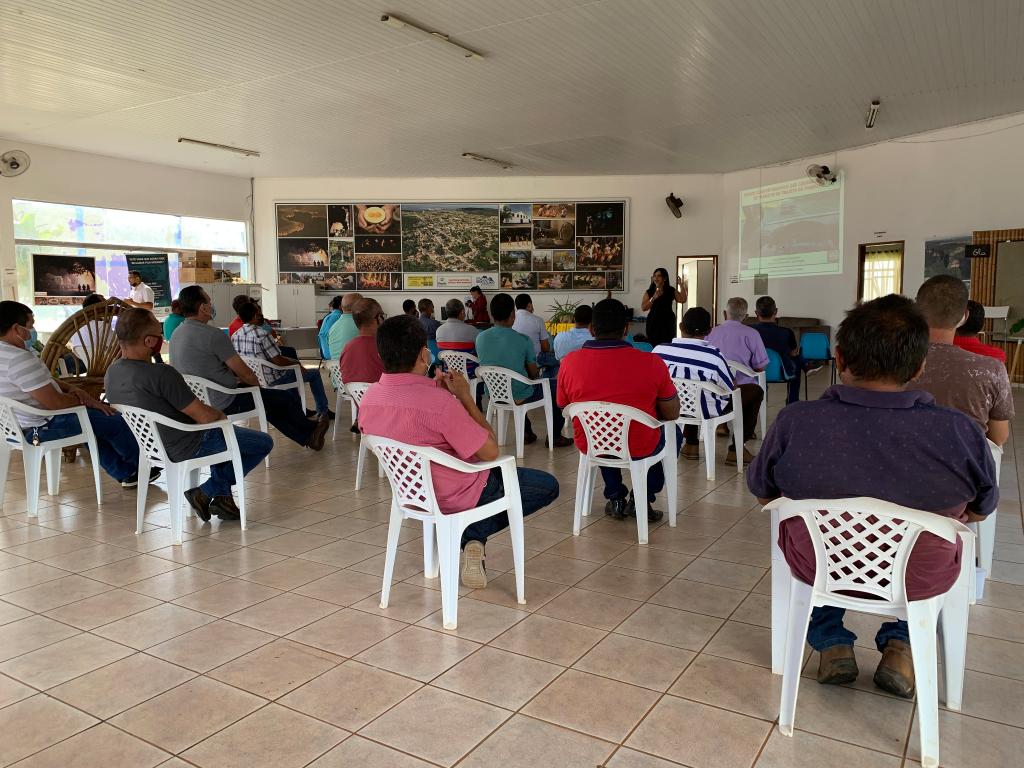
(501, 346)
(325, 326)
(570, 341)
(783, 341)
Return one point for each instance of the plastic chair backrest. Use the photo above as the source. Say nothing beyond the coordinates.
(198, 389)
(862, 545)
(606, 426)
(334, 371)
(432, 346)
(457, 362)
(408, 470)
(814, 346)
(689, 398)
(144, 429)
(9, 425)
(775, 372)
(356, 390)
(256, 366)
(643, 346)
(498, 383)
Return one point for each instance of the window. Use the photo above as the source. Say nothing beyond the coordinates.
(881, 270)
(107, 234)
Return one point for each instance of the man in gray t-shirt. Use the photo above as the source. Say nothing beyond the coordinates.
(204, 350)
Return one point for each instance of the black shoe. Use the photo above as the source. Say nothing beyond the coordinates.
(132, 481)
(154, 473)
(529, 438)
(225, 508)
(200, 502)
(616, 509)
(653, 515)
(316, 440)
(354, 429)
(563, 442)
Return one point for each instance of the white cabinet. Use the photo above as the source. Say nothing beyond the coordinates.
(296, 305)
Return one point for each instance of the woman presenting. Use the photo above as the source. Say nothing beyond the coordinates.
(658, 304)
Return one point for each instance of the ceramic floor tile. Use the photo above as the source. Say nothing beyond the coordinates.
(623, 582)
(504, 679)
(630, 758)
(699, 597)
(294, 543)
(210, 645)
(652, 560)
(124, 572)
(289, 574)
(103, 608)
(966, 742)
(351, 695)
(805, 750)
(30, 633)
(169, 720)
(98, 747)
(9, 613)
(283, 614)
(274, 669)
(226, 597)
(478, 621)
(523, 742)
(177, 583)
(28, 575)
(56, 593)
(993, 698)
(595, 609)
(742, 642)
(273, 737)
(985, 654)
(984, 620)
(436, 725)
(670, 626)
(153, 626)
(744, 688)
(11, 691)
(722, 573)
(92, 556)
(343, 587)
(405, 603)
(635, 661)
(357, 751)
(240, 561)
(121, 685)
(342, 554)
(553, 640)
(502, 591)
(64, 660)
(36, 723)
(347, 632)
(418, 653)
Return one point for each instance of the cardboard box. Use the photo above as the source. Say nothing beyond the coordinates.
(195, 259)
(188, 275)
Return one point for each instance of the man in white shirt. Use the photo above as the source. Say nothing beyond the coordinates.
(141, 295)
(533, 328)
(570, 341)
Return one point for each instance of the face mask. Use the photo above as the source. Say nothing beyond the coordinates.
(213, 312)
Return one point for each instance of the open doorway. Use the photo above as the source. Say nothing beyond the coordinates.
(879, 269)
(700, 273)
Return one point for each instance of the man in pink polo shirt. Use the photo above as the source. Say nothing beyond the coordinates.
(440, 413)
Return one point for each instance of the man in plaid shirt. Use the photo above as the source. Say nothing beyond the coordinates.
(253, 340)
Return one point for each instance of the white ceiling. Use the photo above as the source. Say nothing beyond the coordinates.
(569, 87)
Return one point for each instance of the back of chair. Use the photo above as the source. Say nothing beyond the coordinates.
(498, 383)
(457, 362)
(356, 390)
(689, 398)
(814, 346)
(606, 426)
(775, 372)
(198, 387)
(643, 346)
(10, 429)
(862, 545)
(408, 471)
(256, 366)
(432, 346)
(144, 429)
(334, 371)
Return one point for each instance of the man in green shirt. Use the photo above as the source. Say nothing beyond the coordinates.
(501, 346)
(344, 330)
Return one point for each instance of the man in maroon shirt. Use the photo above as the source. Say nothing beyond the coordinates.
(871, 436)
(360, 360)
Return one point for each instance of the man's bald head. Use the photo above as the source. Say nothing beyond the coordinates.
(368, 314)
(349, 300)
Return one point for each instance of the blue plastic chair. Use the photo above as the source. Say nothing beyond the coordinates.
(643, 346)
(775, 373)
(814, 346)
(432, 346)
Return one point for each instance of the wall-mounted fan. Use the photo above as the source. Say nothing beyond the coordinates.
(822, 174)
(14, 163)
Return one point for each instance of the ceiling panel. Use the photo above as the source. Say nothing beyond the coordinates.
(588, 86)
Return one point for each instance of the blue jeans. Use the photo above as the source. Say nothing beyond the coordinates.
(795, 367)
(253, 447)
(557, 420)
(548, 364)
(316, 386)
(826, 630)
(612, 476)
(537, 489)
(119, 453)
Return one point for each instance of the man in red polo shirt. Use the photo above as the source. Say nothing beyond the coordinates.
(612, 370)
(360, 360)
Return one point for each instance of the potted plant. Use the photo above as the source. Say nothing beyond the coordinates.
(561, 318)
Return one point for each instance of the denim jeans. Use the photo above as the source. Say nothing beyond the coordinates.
(794, 366)
(119, 453)
(612, 476)
(548, 364)
(316, 386)
(537, 489)
(283, 411)
(253, 447)
(826, 630)
(557, 420)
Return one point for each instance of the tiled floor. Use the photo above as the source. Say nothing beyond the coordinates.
(268, 647)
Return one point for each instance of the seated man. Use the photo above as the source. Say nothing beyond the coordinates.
(956, 378)
(409, 308)
(236, 304)
(569, 341)
(501, 346)
(201, 349)
(325, 327)
(440, 413)
(430, 325)
(967, 334)
(610, 369)
(173, 320)
(360, 360)
(741, 344)
(344, 330)
(253, 340)
(691, 357)
(834, 448)
(533, 328)
(24, 379)
(783, 342)
(134, 380)
(455, 333)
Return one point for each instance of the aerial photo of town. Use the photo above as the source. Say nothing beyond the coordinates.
(450, 237)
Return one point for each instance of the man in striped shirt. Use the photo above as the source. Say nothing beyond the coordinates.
(693, 358)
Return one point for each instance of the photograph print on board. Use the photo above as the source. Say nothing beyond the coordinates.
(543, 261)
(340, 253)
(589, 281)
(373, 281)
(378, 244)
(450, 237)
(593, 253)
(302, 278)
(615, 282)
(600, 219)
(553, 233)
(339, 220)
(564, 261)
(515, 261)
(554, 281)
(516, 238)
(296, 254)
(57, 275)
(378, 262)
(554, 210)
(339, 281)
(378, 218)
(518, 281)
(302, 221)
(515, 213)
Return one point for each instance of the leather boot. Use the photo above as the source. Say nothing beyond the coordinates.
(895, 673)
(837, 665)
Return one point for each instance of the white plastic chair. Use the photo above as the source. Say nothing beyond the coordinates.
(334, 371)
(266, 372)
(32, 455)
(863, 545)
(986, 530)
(762, 382)
(143, 425)
(355, 391)
(690, 413)
(499, 389)
(458, 362)
(408, 468)
(606, 426)
(202, 387)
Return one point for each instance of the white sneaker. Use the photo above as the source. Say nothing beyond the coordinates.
(474, 575)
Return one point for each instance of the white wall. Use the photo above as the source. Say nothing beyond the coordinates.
(655, 236)
(908, 191)
(63, 176)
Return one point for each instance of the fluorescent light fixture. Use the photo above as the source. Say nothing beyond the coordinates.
(485, 159)
(225, 147)
(394, 21)
(872, 114)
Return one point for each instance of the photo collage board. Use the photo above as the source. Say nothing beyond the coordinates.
(551, 245)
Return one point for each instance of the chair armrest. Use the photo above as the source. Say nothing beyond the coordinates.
(742, 368)
(229, 390)
(181, 426)
(33, 411)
